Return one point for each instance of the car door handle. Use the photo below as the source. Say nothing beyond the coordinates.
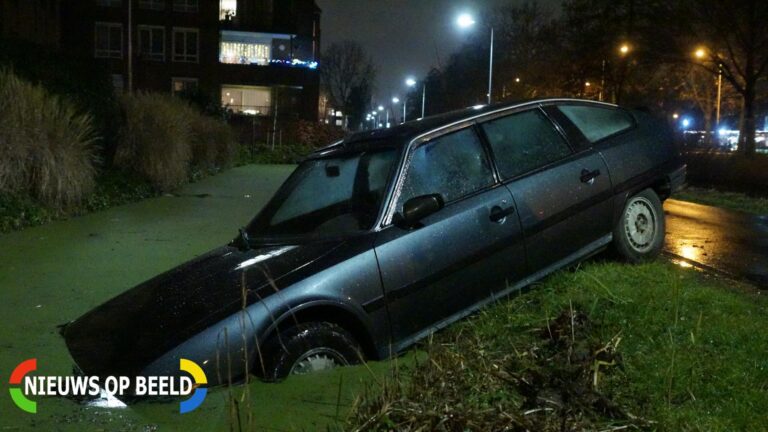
(588, 176)
(498, 214)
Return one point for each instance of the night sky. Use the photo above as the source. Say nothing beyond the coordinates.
(404, 37)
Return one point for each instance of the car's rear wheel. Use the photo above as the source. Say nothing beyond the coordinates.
(308, 348)
(639, 233)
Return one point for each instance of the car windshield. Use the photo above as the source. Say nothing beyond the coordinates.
(328, 197)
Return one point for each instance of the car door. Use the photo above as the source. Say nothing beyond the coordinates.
(563, 196)
(459, 255)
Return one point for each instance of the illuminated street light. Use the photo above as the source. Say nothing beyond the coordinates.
(465, 21)
(624, 49)
(381, 108)
(675, 116)
(395, 100)
(410, 82)
(700, 54)
(587, 84)
(517, 80)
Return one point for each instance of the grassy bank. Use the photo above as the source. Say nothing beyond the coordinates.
(607, 347)
(728, 200)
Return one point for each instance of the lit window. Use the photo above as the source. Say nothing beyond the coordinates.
(185, 45)
(245, 48)
(152, 4)
(108, 40)
(247, 100)
(152, 43)
(185, 5)
(227, 9)
(180, 86)
(109, 3)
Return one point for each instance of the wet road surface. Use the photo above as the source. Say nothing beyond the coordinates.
(720, 240)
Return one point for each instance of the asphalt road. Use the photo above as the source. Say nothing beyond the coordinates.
(723, 241)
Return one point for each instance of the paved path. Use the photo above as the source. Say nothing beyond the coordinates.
(726, 241)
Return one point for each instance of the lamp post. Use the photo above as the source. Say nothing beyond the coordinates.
(410, 82)
(466, 21)
(395, 101)
(701, 54)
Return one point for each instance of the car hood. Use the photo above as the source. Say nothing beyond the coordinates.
(125, 334)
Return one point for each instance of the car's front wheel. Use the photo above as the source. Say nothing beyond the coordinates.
(639, 233)
(307, 348)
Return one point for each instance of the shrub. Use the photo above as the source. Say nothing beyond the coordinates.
(46, 146)
(316, 135)
(213, 143)
(728, 171)
(154, 139)
(167, 141)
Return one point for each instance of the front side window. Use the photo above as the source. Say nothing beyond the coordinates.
(453, 166)
(523, 142)
(596, 122)
(108, 40)
(185, 45)
(330, 196)
(152, 43)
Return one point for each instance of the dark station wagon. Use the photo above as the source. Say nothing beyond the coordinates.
(378, 240)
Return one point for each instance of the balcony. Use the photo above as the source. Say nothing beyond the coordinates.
(261, 49)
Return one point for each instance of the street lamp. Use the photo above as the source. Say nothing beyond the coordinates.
(700, 54)
(395, 101)
(624, 49)
(410, 82)
(465, 21)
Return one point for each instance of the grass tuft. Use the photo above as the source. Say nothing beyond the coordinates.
(46, 146)
(606, 347)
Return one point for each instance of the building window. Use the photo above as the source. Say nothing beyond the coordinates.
(247, 100)
(109, 3)
(108, 40)
(180, 86)
(152, 4)
(227, 10)
(245, 48)
(186, 45)
(118, 83)
(152, 43)
(185, 5)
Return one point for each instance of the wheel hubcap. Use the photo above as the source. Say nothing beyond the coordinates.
(318, 359)
(640, 224)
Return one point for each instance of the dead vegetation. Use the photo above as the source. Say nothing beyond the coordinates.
(466, 383)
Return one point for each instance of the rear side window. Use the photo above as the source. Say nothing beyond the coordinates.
(597, 123)
(523, 142)
(453, 165)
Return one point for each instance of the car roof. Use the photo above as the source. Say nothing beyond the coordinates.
(405, 132)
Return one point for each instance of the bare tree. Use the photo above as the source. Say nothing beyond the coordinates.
(346, 70)
(736, 42)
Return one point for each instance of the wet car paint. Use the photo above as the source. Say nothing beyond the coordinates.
(225, 304)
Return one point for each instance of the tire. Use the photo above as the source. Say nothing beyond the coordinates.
(307, 348)
(638, 235)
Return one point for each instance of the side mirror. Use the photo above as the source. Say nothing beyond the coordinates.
(417, 208)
